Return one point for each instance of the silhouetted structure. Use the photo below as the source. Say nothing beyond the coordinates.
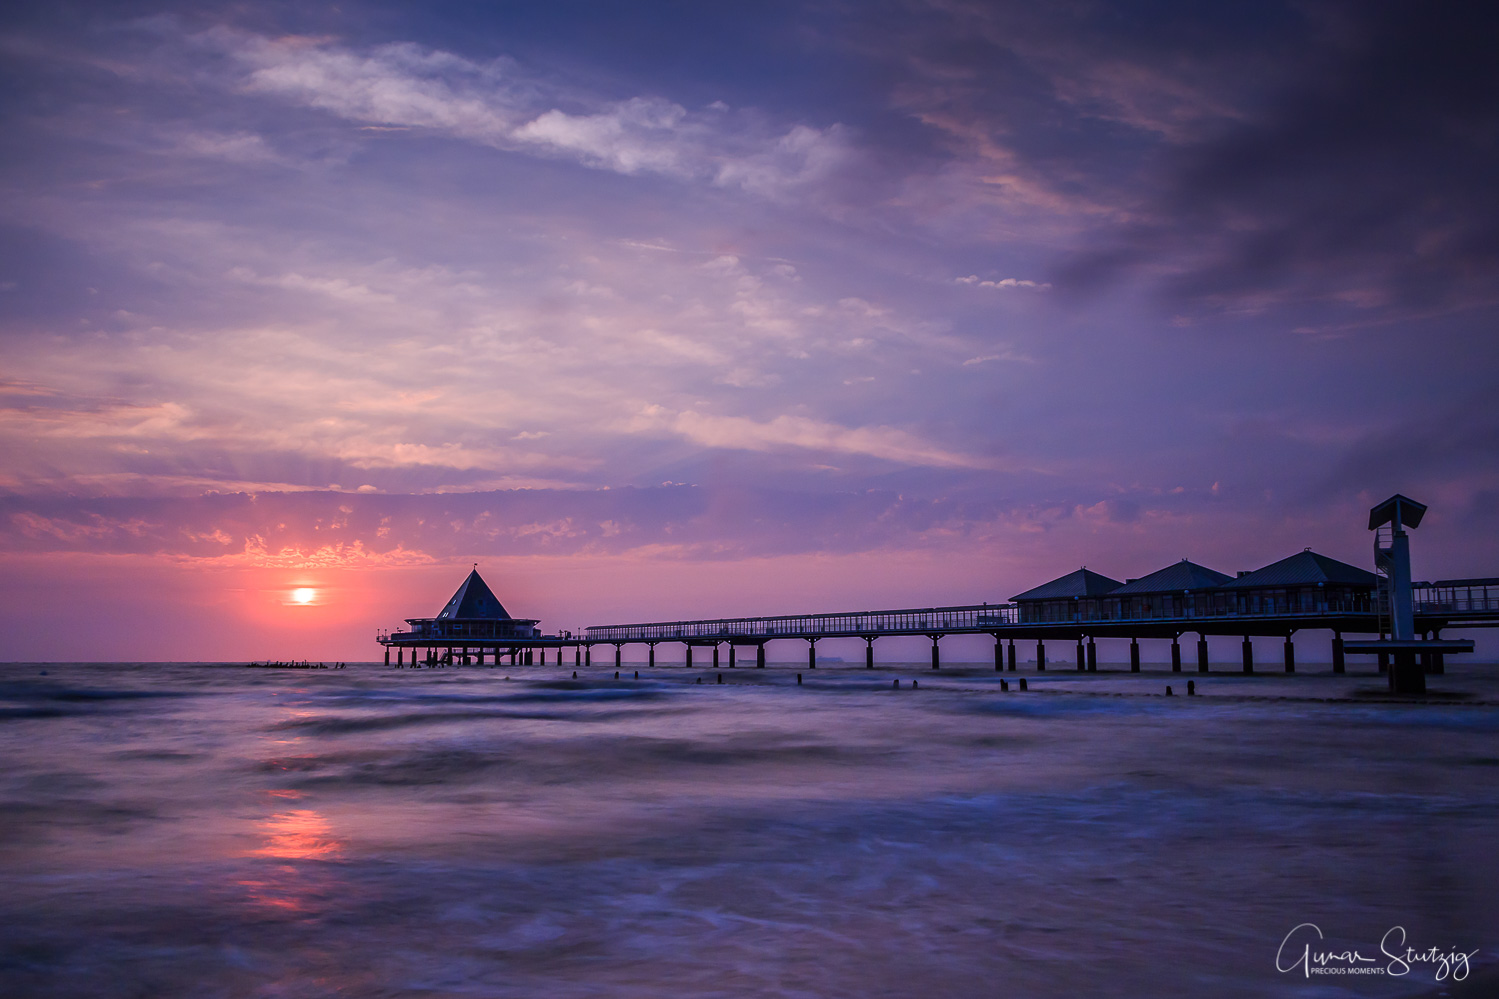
(1304, 591)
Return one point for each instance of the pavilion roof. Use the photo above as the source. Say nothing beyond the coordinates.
(1078, 583)
(474, 601)
(1302, 569)
(1183, 575)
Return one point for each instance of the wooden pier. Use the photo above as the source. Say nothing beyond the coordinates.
(1305, 592)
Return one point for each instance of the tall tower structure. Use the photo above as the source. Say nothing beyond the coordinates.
(1392, 562)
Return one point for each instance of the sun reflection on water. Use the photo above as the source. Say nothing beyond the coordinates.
(296, 835)
(300, 834)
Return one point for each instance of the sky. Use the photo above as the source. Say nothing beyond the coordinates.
(666, 310)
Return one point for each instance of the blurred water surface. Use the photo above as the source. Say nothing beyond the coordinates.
(211, 830)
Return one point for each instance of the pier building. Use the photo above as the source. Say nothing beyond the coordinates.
(470, 624)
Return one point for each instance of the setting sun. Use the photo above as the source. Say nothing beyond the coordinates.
(303, 595)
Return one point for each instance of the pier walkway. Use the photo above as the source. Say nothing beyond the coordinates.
(1305, 591)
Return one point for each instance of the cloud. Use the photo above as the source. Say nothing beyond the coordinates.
(499, 103)
(973, 280)
(1366, 182)
(785, 431)
(291, 530)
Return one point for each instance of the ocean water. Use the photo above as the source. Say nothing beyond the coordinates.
(211, 830)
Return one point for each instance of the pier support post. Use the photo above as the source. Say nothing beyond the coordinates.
(868, 653)
(999, 654)
(1290, 655)
(1040, 656)
(1134, 655)
(1092, 655)
(936, 655)
(1176, 655)
(1405, 674)
(387, 656)
(760, 656)
(588, 655)
(689, 655)
(1011, 663)
(577, 655)
(1248, 655)
(731, 655)
(811, 653)
(715, 655)
(1339, 662)
(618, 653)
(652, 654)
(1202, 653)
(1082, 655)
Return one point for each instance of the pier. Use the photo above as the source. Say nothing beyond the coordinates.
(1304, 592)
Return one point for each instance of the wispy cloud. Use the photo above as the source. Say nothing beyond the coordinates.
(740, 433)
(500, 103)
(977, 282)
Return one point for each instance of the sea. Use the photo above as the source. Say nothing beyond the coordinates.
(214, 830)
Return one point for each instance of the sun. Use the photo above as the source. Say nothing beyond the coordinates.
(303, 595)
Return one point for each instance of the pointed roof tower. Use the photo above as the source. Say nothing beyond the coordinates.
(1079, 583)
(474, 601)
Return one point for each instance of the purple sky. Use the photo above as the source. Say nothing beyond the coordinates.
(672, 309)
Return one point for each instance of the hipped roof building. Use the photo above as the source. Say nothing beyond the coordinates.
(1304, 582)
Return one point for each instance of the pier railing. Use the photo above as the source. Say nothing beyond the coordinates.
(981, 619)
(1458, 604)
(912, 621)
(1459, 597)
